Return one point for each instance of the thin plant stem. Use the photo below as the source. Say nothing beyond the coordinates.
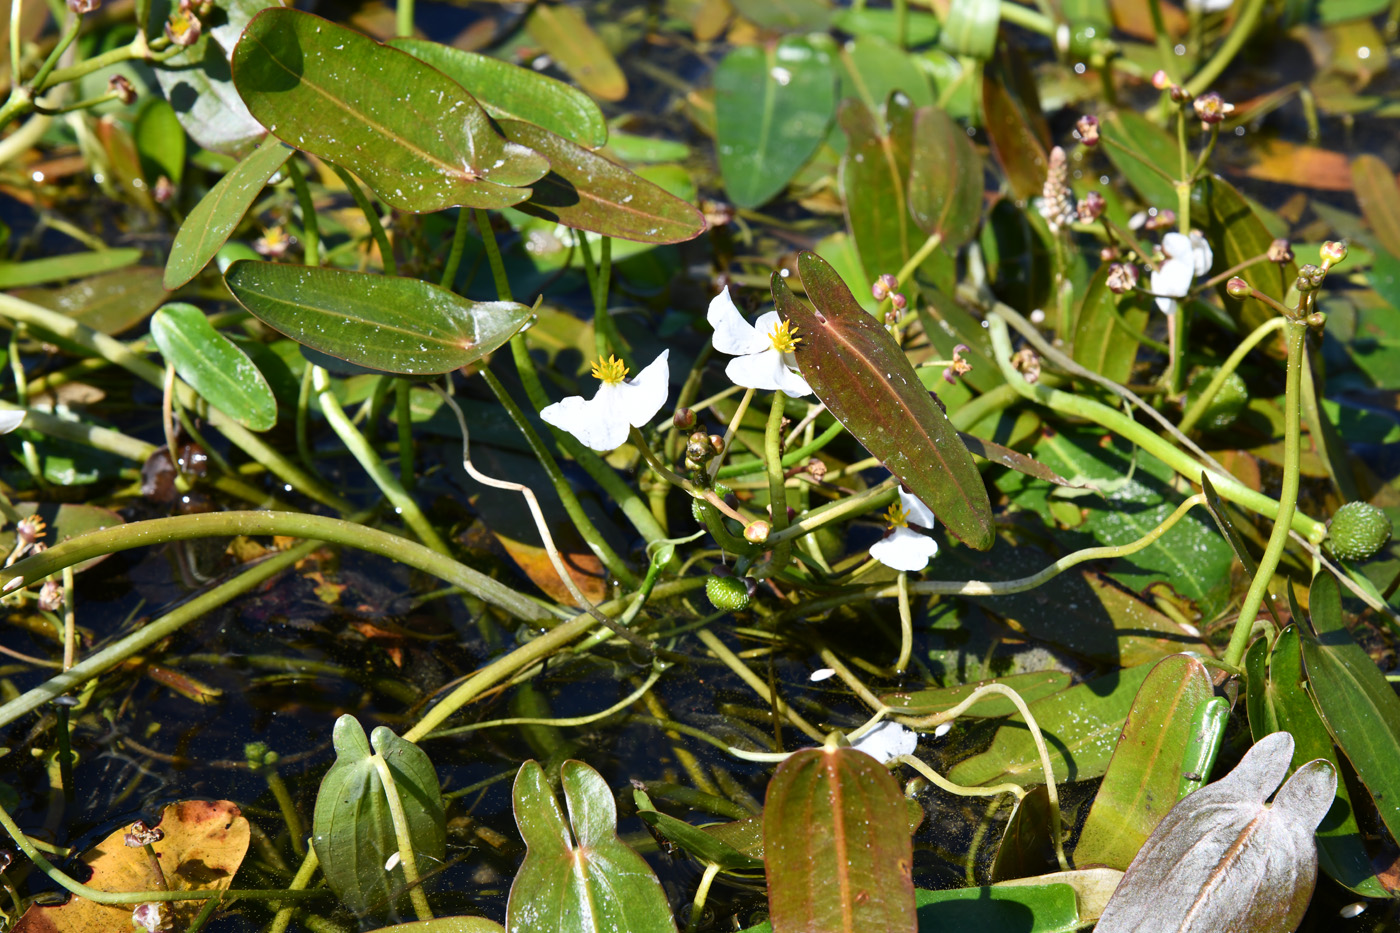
(310, 226)
(1163, 39)
(1198, 407)
(493, 254)
(402, 836)
(376, 227)
(702, 893)
(305, 872)
(361, 450)
(403, 414)
(403, 19)
(730, 431)
(70, 32)
(1244, 25)
(1296, 332)
(777, 482)
(756, 684)
(459, 245)
(566, 722)
(303, 419)
(791, 458)
(906, 624)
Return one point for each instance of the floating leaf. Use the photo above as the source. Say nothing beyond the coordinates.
(446, 925)
(204, 843)
(1379, 198)
(874, 178)
(67, 266)
(1013, 460)
(1355, 700)
(866, 381)
(1081, 727)
(772, 108)
(787, 15)
(565, 34)
(352, 831)
(945, 179)
(837, 845)
(408, 131)
(219, 212)
(110, 303)
(873, 69)
(510, 92)
(1101, 343)
(397, 325)
(1002, 908)
(1222, 859)
(586, 191)
(1140, 785)
(214, 366)
(1031, 686)
(587, 881)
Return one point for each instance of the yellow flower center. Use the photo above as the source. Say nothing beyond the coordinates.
(897, 516)
(610, 371)
(275, 236)
(784, 337)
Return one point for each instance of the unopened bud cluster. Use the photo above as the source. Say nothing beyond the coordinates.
(1087, 129)
(1056, 201)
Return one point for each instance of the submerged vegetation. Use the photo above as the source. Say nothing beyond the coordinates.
(897, 468)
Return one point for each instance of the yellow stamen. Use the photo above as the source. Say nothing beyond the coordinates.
(610, 371)
(897, 516)
(784, 337)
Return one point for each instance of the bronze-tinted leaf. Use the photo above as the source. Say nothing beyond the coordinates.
(945, 179)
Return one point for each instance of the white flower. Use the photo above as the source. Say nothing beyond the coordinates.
(904, 548)
(10, 419)
(1209, 6)
(604, 421)
(1187, 258)
(762, 350)
(887, 741)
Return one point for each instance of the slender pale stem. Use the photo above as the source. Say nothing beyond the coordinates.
(1248, 19)
(735, 664)
(376, 227)
(777, 482)
(403, 837)
(305, 872)
(906, 624)
(310, 227)
(459, 244)
(1198, 408)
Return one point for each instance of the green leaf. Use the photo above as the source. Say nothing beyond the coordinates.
(160, 141)
(1015, 125)
(1019, 908)
(415, 136)
(396, 325)
(219, 212)
(585, 191)
(352, 831)
(1026, 848)
(111, 303)
(446, 925)
(703, 845)
(945, 179)
(772, 108)
(1140, 785)
(1153, 146)
(1376, 192)
(874, 178)
(1354, 699)
(67, 266)
(1081, 727)
(217, 369)
(565, 34)
(587, 881)
(65, 521)
(1238, 236)
(873, 69)
(787, 15)
(868, 384)
(1340, 848)
(971, 28)
(921, 28)
(510, 92)
(837, 845)
(1100, 342)
(1031, 686)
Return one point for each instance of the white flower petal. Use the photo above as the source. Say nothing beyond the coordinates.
(919, 514)
(9, 420)
(887, 741)
(792, 384)
(1176, 246)
(904, 549)
(1201, 256)
(1166, 305)
(638, 400)
(733, 334)
(757, 370)
(1172, 280)
(594, 422)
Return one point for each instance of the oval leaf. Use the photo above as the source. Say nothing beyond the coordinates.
(945, 179)
(698, 841)
(510, 92)
(67, 266)
(214, 366)
(584, 881)
(585, 191)
(874, 175)
(971, 27)
(352, 831)
(446, 925)
(866, 381)
(1239, 236)
(570, 41)
(772, 108)
(408, 131)
(110, 303)
(1379, 199)
(1222, 859)
(214, 218)
(395, 325)
(1101, 342)
(837, 846)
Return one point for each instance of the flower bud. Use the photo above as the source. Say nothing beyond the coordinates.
(756, 532)
(1088, 129)
(30, 529)
(1179, 94)
(1056, 201)
(898, 301)
(1165, 219)
(1091, 207)
(142, 835)
(883, 286)
(81, 7)
(716, 444)
(1122, 278)
(120, 86)
(1280, 252)
(697, 448)
(1161, 80)
(51, 596)
(1318, 319)
(1108, 254)
(1027, 363)
(183, 28)
(1333, 252)
(1238, 288)
(153, 918)
(684, 419)
(164, 191)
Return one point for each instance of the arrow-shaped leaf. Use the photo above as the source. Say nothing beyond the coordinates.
(860, 373)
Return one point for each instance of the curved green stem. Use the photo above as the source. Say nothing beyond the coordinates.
(777, 482)
(376, 227)
(791, 458)
(310, 228)
(459, 244)
(403, 838)
(1198, 408)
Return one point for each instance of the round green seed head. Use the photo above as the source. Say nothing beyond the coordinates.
(729, 594)
(1357, 531)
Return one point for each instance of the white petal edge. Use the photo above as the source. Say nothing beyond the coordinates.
(641, 398)
(1202, 258)
(594, 422)
(756, 370)
(919, 514)
(733, 335)
(9, 420)
(1176, 246)
(905, 550)
(887, 741)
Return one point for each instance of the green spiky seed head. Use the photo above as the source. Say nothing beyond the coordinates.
(729, 594)
(1357, 531)
(1227, 404)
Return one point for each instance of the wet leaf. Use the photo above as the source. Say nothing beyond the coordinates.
(1015, 126)
(1237, 236)
(1081, 727)
(772, 108)
(1100, 342)
(874, 178)
(1013, 459)
(837, 845)
(111, 303)
(397, 325)
(971, 28)
(65, 521)
(352, 831)
(1026, 848)
(1340, 849)
(219, 212)
(1092, 887)
(703, 845)
(564, 33)
(214, 366)
(584, 881)
(1354, 699)
(873, 69)
(1031, 686)
(866, 381)
(415, 136)
(586, 191)
(1140, 785)
(1222, 859)
(945, 179)
(1379, 198)
(67, 266)
(160, 141)
(205, 841)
